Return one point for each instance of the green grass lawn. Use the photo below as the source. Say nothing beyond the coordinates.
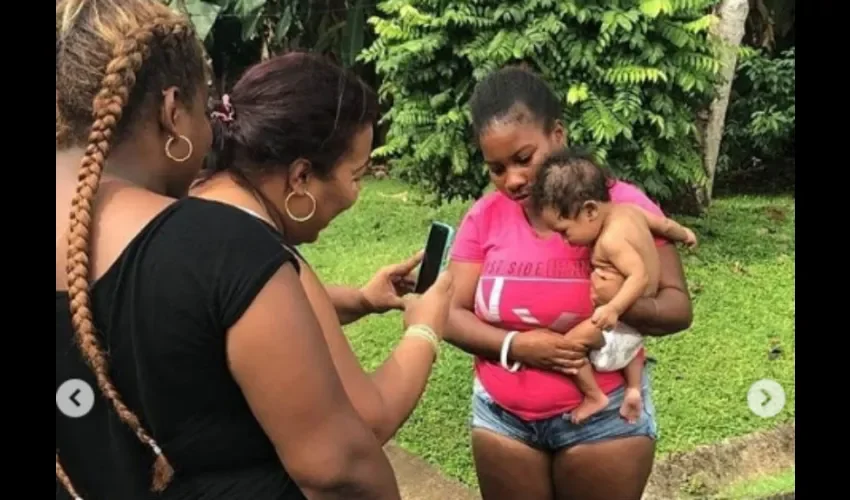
(761, 486)
(741, 278)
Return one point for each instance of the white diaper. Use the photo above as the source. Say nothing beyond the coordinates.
(621, 346)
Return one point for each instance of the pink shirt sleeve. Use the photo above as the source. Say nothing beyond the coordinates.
(622, 192)
(468, 245)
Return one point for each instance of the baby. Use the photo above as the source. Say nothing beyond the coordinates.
(571, 197)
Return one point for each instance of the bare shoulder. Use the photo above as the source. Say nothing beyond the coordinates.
(122, 211)
(611, 240)
(626, 221)
(608, 244)
(629, 211)
(115, 196)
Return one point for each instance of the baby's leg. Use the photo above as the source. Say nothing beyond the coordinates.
(594, 399)
(632, 401)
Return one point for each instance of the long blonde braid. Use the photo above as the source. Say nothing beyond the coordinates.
(128, 55)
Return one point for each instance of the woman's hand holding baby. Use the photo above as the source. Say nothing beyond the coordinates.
(548, 350)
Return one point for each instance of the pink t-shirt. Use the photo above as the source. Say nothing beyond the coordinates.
(528, 282)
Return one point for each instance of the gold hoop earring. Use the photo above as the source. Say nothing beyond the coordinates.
(170, 141)
(289, 212)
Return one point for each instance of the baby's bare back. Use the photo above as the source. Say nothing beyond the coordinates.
(627, 230)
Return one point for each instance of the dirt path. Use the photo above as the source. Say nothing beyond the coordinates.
(704, 471)
(418, 480)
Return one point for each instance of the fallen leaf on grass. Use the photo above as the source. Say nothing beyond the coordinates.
(397, 196)
(775, 213)
(695, 288)
(739, 268)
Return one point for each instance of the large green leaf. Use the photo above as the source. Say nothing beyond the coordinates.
(651, 7)
(327, 34)
(246, 7)
(286, 22)
(202, 14)
(352, 37)
(250, 12)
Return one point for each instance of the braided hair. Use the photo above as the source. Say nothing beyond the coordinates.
(112, 58)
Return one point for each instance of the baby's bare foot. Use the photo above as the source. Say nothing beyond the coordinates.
(632, 405)
(590, 406)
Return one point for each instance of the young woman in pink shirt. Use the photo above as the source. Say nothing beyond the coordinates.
(518, 289)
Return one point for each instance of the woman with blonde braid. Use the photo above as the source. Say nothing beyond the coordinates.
(116, 36)
(188, 317)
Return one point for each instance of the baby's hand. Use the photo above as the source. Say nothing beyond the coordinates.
(690, 238)
(605, 317)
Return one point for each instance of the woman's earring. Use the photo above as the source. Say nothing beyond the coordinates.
(291, 215)
(170, 141)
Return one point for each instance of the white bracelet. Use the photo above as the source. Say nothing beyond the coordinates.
(427, 333)
(506, 345)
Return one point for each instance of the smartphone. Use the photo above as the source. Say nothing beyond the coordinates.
(436, 250)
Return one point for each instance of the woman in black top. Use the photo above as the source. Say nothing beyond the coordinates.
(190, 319)
(280, 153)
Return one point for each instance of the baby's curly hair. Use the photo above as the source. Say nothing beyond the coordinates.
(113, 59)
(567, 179)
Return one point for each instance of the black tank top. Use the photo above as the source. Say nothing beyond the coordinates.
(162, 312)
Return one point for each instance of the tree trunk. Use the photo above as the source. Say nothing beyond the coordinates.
(730, 30)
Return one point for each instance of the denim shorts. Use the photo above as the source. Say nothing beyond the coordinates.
(558, 432)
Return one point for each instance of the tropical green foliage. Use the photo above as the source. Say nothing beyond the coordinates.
(761, 119)
(241, 32)
(632, 75)
(757, 154)
(771, 24)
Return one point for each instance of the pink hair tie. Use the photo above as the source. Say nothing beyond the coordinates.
(225, 113)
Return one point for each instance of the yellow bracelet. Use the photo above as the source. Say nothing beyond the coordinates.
(427, 333)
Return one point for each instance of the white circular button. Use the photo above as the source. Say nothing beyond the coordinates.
(75, 398)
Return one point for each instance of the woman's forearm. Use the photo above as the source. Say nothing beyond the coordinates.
(400, 381)
(667, 313)
(349, 303)
(385, 397)
(670, 311)
(468, 333)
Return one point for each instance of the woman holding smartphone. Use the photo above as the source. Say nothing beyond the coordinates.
(215, 352)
